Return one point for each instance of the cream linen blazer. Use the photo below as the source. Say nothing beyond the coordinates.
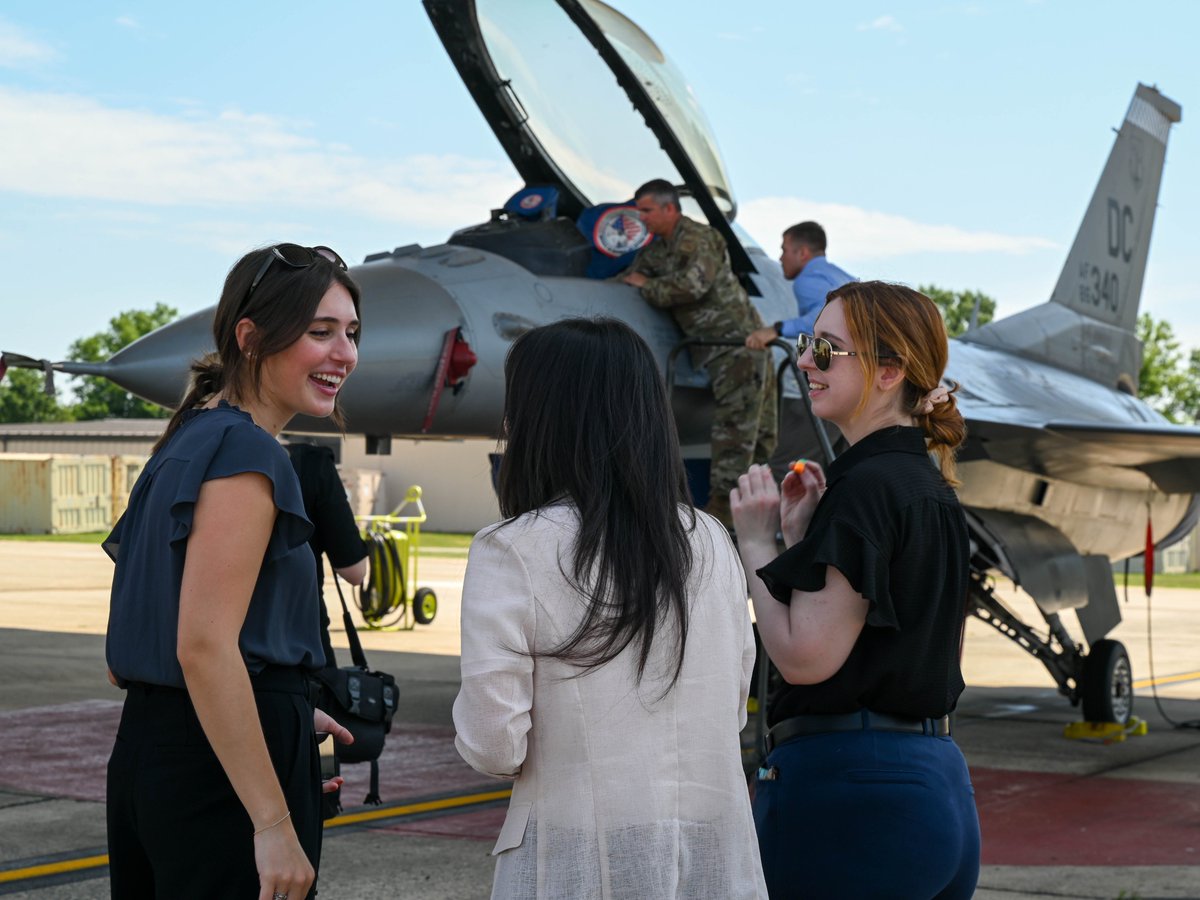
(618, 793)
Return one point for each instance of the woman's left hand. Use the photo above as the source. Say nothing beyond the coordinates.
(800, 494)
(323, 721)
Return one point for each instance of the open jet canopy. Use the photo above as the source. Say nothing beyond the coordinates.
(542, 73)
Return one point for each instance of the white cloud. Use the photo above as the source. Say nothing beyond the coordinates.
(858, 235)
(74, 147)
(18, 49)
(236, 163)
(883, 23)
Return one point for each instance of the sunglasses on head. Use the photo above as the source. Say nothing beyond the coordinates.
(297, 257)
(823, 352)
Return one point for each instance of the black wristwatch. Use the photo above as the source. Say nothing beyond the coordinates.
(778, 326)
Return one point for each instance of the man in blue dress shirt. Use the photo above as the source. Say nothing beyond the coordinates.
(802, 256)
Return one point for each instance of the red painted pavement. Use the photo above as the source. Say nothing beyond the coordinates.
(1028, 818)
(1042, 819)
(417, 760)
(59, 751)
(62, 751)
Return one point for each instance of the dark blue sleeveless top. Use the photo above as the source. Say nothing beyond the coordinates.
(149, 546)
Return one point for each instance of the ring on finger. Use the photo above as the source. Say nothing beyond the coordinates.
(279, 895)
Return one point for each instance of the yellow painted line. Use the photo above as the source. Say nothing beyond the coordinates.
(1167, 679)
(384, 812)
(55, 868)
(410, 809)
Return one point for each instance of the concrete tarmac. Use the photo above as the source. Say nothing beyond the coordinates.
(1061, 818)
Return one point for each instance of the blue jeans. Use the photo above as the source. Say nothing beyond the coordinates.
(873, 814)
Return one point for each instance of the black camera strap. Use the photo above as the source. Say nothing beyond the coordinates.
(356, 650)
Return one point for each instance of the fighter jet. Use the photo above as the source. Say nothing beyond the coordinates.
(1064, 470)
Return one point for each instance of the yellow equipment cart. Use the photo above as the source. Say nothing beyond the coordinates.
(390, 600)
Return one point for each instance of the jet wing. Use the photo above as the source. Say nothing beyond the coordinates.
(1129, 455)
(1169, 454)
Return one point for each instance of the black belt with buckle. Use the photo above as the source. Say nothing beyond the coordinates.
(863, 720)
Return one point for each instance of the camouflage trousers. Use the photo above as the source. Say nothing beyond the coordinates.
(744, 421)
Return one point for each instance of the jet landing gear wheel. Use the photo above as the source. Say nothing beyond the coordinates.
(424, 606)
(1107, 689)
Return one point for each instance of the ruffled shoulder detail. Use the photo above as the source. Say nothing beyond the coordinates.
(112, 543)
(841, 545)
(223, 442)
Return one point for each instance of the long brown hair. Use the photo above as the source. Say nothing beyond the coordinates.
(281, 307)
(905, 325)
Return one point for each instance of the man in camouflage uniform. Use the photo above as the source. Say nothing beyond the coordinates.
(687, 272)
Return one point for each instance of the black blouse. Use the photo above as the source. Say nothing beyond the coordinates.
(889, 523)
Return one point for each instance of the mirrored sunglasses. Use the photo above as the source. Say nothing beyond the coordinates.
(822, 351)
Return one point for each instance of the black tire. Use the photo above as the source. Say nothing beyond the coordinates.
(424, 606)
(1107, 689)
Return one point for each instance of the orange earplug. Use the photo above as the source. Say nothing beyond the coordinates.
(798, 466)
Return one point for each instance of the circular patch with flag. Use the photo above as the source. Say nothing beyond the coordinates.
(620, 230)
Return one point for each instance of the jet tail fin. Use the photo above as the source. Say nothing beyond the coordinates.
(1088, 325)
(1102, 278)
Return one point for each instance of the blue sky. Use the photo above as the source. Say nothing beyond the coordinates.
(147, 145)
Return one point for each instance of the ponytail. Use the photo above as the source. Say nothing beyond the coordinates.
(207, 379)
(943, 425)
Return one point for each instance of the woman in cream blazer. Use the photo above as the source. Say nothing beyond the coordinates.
(606, 642)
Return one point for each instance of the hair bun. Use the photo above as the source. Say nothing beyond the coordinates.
(945, 429)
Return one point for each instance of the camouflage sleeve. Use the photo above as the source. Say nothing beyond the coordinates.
(700, 265)
(641, 263)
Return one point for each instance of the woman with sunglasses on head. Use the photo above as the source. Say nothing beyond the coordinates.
(606, 645)
(864, 792)
(214, 782)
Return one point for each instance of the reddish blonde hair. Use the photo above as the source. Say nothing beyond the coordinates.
(907, 326)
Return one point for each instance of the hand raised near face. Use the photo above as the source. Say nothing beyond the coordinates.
(754, 507)
(801, 492)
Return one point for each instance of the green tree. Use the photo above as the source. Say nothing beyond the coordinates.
(98, 398)
(1168, 381)
(23, 398)
(957, 306)
(1189, 391)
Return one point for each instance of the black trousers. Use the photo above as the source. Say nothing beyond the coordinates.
(176, 829)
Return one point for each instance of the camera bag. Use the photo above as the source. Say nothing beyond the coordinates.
(361, 700)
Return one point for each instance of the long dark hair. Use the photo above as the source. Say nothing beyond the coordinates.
(281, 306)
(586, 419)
